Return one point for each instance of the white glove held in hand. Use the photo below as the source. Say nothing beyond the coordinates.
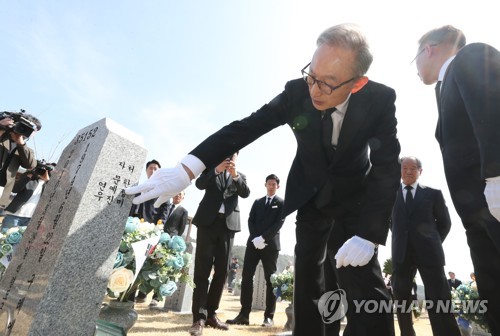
(165, 183)
(492, 194)
(259, 242)
(355, 252)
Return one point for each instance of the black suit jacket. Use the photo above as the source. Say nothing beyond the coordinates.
(176, 222)
(148, 211)
(266, 222)
(365, 172)
(454, 285)
(468, 127)
(423, 228)
(215, 195)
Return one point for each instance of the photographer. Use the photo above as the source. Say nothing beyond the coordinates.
(15, 130)
(28, 188)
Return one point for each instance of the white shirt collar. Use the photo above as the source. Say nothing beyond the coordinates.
(414, 185)
(342, 107)
(444, 67)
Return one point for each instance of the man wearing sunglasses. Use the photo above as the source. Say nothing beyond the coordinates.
(343, 180)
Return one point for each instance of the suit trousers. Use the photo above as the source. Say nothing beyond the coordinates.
(482, 237)
(269, 258)
(436, 289)
(213, 248)
(318, 239)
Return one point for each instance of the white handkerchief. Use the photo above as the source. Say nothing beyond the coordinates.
(274, 206)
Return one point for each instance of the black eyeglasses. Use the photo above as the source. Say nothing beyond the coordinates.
(421, 51)
(322, 86)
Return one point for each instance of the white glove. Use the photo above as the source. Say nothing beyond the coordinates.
(492, 194)
(355, 252)
(165, 183)
(259, 242)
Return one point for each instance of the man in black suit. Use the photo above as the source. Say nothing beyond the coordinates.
(342, 181)
(151, 214)
(217, 220)
(468, 99)
(420, 223)
(453, 282)
(147, 210)
(264, 222)
(177, 216)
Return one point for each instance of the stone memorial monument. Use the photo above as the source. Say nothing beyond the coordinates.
(57, 278)
(259, 288)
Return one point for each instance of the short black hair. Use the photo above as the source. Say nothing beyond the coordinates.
(153, 162)
(273, 177)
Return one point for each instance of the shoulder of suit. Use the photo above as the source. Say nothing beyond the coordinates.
(279, 199)
(427, 187)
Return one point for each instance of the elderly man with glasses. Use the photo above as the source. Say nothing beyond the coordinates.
(342, 182)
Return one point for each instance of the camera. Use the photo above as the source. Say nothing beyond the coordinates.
(21, 126)
(42, 167)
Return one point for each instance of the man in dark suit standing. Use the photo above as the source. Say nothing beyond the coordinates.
(420, 223)
(177, 216)
(217, 220)
(146, 210)
(264, 222)
(453, 282)
(151, 214)
(342, 182)
(468, 100)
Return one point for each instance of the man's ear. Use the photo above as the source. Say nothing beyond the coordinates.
(358, 85)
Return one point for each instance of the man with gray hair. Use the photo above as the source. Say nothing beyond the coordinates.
(342, 182)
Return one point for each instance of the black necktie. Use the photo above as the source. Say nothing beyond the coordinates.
(268, 202)
(327, 132)
(172, 207)
(409, 197)
(438, 92)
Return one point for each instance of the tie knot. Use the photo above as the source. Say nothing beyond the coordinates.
(409, 188)
(329, 112)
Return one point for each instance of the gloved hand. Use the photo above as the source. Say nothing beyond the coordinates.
(164, 184)
(492, 194)
(259, 242)
(355, 252)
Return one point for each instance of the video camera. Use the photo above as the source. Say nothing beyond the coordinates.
(21, 126)
(42, 167)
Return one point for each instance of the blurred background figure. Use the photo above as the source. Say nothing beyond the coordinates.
(28, 189)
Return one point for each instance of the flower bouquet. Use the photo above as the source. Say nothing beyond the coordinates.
(283, 285)
(8, 242)
(166, 262)
(467, 302)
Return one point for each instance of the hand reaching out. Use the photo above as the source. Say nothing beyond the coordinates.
(163, 184)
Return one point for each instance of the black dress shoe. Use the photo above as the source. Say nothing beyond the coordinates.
(240, 319)
(215, 323)
(197, 328)
(268, 322)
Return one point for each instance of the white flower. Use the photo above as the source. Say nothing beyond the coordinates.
(120, 280)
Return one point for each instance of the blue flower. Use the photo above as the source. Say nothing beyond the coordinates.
(118, 260)
(14, 237)
(164, 238)
(177, 244)
(176, 262)
(131, 225)
(168, 289)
